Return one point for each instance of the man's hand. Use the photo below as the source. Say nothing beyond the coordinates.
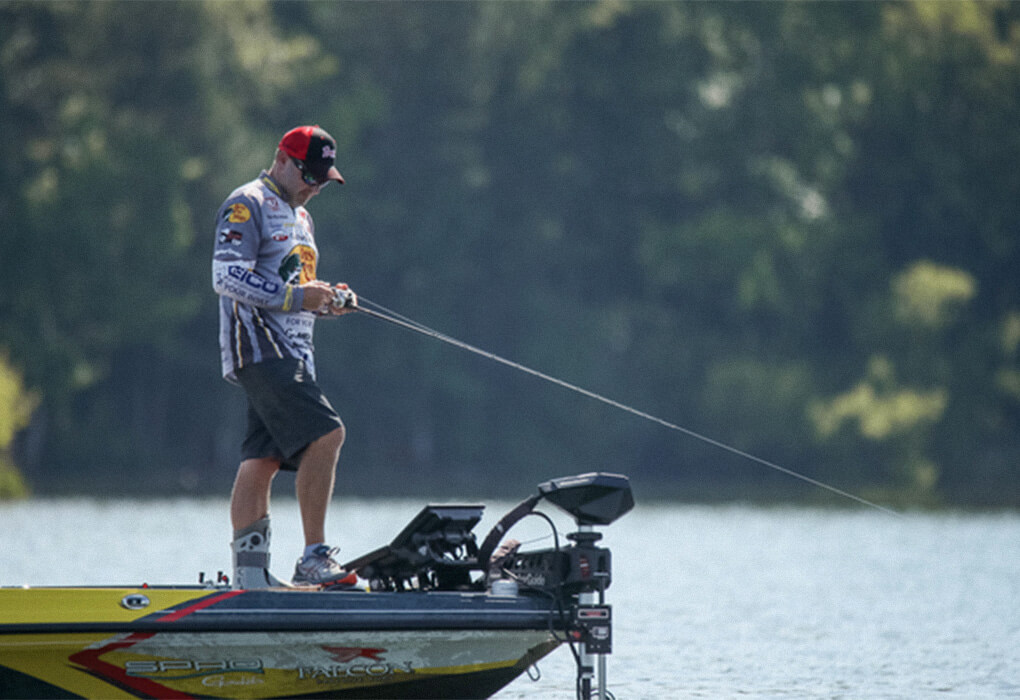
(318, 296)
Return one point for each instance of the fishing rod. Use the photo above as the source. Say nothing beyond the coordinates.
(383, 314)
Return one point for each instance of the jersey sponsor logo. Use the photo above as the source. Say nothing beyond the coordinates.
(298, 266)
(237, 213)
(230, 236)
(252, 279)
(280, 236)
(302, 231)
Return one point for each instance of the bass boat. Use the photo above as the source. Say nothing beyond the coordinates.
(442, 617)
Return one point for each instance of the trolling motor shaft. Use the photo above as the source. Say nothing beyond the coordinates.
(583, 570)
(592, 622)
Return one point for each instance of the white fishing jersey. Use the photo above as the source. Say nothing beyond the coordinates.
(264, 250)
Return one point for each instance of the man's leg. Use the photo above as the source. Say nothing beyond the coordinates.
(249, 500)
(249, 514)
(314, 483)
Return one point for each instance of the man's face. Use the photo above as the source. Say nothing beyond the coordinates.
(294, 181)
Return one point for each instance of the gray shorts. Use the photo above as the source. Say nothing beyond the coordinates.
(286, 411)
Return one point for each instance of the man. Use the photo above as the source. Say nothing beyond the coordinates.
(264, 269)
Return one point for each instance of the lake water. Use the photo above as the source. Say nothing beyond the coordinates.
(708, 601)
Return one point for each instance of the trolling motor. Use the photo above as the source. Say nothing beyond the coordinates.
(582, 569)
(437, 550)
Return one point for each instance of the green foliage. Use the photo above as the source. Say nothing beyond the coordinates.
(789, 226)
(16, 408)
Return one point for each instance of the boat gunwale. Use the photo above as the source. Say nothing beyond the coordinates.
(352, 611)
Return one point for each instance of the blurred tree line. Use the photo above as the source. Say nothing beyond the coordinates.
(789, 226)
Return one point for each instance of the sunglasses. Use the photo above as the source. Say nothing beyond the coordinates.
(307, 176)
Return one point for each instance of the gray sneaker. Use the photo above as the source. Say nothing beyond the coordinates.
(321, 569)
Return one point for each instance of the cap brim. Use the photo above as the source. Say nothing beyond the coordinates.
(334, 174)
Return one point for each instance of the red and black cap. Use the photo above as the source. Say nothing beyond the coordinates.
(315, 148)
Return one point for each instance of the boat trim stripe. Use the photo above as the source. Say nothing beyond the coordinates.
(201, 604)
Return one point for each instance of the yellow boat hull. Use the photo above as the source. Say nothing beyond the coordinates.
(197, 642)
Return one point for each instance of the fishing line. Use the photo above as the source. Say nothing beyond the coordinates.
(382, 313)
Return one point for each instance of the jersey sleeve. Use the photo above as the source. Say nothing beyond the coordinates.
(238, 230)
(238, 237)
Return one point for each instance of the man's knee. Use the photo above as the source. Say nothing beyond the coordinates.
(335, 438)
(325, 448)
(261, 469)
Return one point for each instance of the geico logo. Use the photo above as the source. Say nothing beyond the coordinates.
(253, 279)
(145, 668)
